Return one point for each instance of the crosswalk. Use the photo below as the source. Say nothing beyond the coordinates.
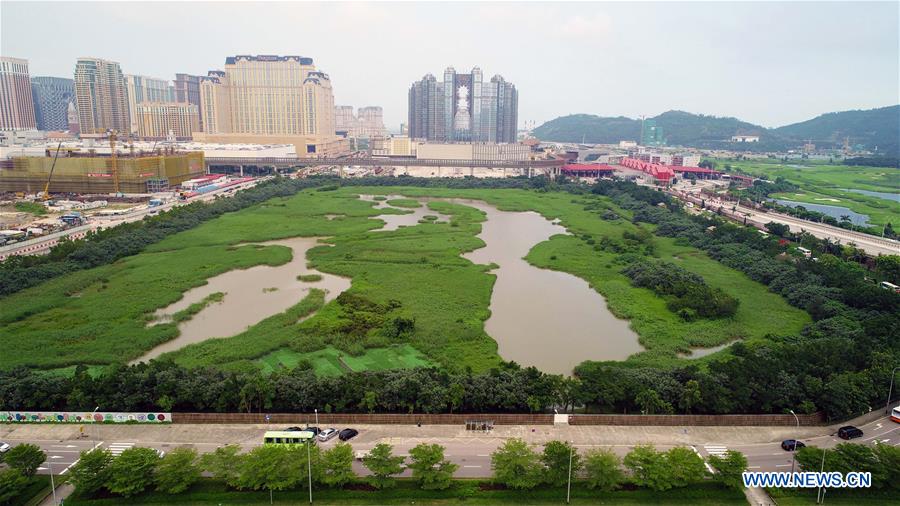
(718, 451)
(116, 449)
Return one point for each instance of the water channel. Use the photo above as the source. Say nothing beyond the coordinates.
(881, 195)
(833, 211)
(251, 295)
(549, 319)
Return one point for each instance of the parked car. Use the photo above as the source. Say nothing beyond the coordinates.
(327, 434)
(161, 453)
(347, 434)
(790, 445)
(294, 429)
(4, 447)
(849, 432)
(314, 430)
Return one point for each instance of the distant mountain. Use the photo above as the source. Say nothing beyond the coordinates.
(876, 127)
(872, 128)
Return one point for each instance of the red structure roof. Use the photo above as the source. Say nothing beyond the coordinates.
(576, 168)
(658, 171)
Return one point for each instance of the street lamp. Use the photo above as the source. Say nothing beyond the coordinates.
(891, 390)
(317, 416)
(52, 484)
(97, 435)
(820, 491)
(794, 449)
(309, 467)
(569, 486)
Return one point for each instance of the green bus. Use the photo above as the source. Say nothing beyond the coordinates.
(282, 437)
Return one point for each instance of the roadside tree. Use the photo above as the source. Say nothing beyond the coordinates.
(556, 461)
(12, 483)
(25, 458)
(685, 466)
(91, 472)
(132, 472)
(729, 468)
(224, 464)
(516, 465)
(383, 465)
(337, 465)
(177, 470)
(603, 469)
(430, 468)
(649, 468)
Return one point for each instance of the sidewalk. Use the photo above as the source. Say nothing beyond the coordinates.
(62, 491)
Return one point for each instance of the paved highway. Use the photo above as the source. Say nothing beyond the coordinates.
(42, 245)
(870, 244)
(471, 450)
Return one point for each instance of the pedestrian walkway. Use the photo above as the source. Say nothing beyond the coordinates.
(116, 449)
(717, 450)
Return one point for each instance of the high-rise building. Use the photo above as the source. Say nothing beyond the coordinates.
(100, 96)
(651, 135)
(16, 103)
(463, 108)
(157, 120)
(271, 99)
(368, 123)
(142, 89)
(344, 119)
(187, 89)
(52, 96)
(72, 118)
(371, 122)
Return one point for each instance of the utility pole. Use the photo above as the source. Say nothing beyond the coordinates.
(569, 486)
(52, 483)
(820, 491)
(309, 468)
(891, 390)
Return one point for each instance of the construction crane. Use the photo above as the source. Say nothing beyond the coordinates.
(46, 195)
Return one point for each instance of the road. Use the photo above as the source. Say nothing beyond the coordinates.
(42, 245)
(872, 245)
(471, 450)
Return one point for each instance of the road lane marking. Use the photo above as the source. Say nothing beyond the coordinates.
(753, 467)
(471, 466)
(483, 455)
(782, 465)
(705, 463)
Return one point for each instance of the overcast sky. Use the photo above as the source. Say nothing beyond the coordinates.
(767, 63)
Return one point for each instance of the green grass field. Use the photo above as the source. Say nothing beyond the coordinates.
(461, 492)
(326, 362)
(828, 184)
(849, 497)
(99, 316)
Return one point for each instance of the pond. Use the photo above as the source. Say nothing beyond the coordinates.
(539, 317)
(833, 211)
(251, 295)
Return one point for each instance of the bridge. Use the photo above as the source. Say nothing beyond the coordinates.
(545, 166)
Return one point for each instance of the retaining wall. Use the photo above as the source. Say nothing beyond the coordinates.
(362, 418)
(698, 420)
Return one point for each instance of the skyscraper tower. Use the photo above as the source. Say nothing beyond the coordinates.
(100, 96)
(463, 108)
(16, 103)
(52, 96)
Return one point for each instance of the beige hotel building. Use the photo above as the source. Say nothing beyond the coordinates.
(156, 120)
(270, 99)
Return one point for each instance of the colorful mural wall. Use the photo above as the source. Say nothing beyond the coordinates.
(83, 417)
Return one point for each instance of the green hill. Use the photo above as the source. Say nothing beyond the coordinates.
(872, 128)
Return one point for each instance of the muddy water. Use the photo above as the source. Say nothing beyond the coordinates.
(549, 319)
(395, 221)
(251, 295)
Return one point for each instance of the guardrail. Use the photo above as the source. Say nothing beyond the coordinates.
(38, 242)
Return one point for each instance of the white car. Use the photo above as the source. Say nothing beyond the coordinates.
(327, 434)
(4, 447)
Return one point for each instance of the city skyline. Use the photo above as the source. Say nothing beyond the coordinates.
(607, 59)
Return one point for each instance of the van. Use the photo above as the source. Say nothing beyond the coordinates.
(849, 432)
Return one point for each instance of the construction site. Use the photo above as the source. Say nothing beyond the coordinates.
(75, 171)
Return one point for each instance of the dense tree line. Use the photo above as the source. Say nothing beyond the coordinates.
(840, 363)
(688, 295)
(874, 161)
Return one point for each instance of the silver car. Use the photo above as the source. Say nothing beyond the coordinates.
(327, 434)
(4, 447)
